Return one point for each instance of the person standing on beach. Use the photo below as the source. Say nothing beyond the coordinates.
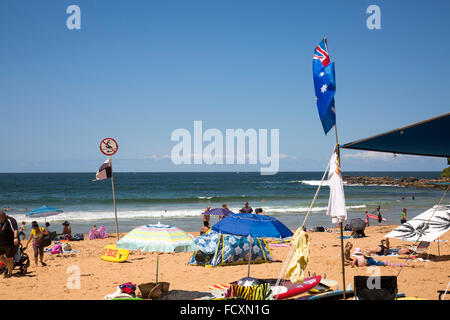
(380, 218)
(9, 241)
(404, 218)
(367, 218)
(246, 208)
(206, 217)
(36, 234)
(224, 206)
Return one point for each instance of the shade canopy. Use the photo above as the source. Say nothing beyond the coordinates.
(43, 212)
(253, 225)
(157, 238)
(219, 212)
(427, 226)
(427, 138)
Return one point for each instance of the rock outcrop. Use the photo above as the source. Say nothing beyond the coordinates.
(410, 182)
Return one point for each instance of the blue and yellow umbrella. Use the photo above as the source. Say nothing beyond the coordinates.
(157, 238)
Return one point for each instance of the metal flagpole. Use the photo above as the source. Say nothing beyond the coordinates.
(339, 163)
(114, 199)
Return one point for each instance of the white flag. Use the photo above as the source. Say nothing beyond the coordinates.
(336, 203)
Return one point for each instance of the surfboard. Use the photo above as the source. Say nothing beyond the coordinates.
(332, 295)
(288, 289)
(336, 295)
(112, 254)
(375, 217)
(324, 286)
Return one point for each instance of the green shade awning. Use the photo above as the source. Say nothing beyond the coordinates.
(427, 138)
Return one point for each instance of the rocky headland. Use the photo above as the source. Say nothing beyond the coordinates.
(410, 182)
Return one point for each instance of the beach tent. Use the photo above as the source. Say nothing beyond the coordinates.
(427, 138)
(226, 249)
(427, 226)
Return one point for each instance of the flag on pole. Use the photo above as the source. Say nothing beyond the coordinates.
(336, 203)
(105, 170)
(324, 85)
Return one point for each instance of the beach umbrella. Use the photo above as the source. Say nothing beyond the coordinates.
(43, 212)
(219, 212)
(253, 226)
(358, 225)
(157, 238)
(427, 226)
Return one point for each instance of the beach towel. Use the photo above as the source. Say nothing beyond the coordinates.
(300, 259)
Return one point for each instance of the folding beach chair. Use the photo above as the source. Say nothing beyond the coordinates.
(422, 247)
(375, 288)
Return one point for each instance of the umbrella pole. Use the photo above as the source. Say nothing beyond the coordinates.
(114, 200)
(157, 266)
(249, 258)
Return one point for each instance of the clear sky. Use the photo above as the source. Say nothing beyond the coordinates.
(138, 70)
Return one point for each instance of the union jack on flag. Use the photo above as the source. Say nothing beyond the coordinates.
(321, 53)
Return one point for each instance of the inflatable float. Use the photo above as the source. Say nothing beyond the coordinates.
(112, 254)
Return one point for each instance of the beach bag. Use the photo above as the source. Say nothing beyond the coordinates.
(45, 241)
(67, 247)
(77, 237)
(128, 288)
(56, 249)
(319, 229)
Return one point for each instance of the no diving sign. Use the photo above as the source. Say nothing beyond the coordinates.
(108, 146)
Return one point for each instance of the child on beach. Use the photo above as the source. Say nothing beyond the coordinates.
(363, 260)
(36, 234)
(22, 230)
(403, 218)
(347, 254)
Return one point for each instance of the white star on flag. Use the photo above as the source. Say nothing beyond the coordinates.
(322, 74)
(324, 88)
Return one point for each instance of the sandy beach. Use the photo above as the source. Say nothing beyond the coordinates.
(99, 278)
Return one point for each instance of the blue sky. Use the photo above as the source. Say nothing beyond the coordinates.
(138, 70)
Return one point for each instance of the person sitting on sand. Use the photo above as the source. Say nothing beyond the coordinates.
(347, 254)
(359, 260)
(36, 234)
(362, 260)
(382, 249)
(67, 230)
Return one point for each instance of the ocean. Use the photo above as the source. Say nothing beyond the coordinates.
(178, 199)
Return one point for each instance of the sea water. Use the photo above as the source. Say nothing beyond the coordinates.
(179, 199)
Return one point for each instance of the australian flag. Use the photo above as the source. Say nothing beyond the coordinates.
(324, 85)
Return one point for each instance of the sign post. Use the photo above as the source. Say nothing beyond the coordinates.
(109, 147)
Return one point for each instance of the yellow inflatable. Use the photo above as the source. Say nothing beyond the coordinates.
(112, 254)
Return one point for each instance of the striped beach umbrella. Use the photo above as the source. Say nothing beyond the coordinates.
(43, 212)
(157, 238)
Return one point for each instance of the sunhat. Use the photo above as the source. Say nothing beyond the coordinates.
(358, 252)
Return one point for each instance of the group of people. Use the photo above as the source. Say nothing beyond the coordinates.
(206, 217)
(10, 240)
(362, 258)
(377, 212)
